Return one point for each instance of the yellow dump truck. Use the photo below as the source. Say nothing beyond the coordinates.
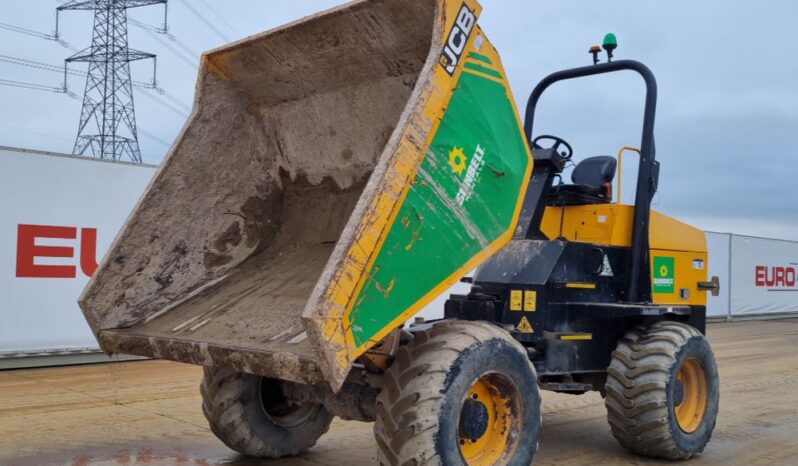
(339, 173)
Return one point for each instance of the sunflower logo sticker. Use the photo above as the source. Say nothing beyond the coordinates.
(457, 160)
(664, 277)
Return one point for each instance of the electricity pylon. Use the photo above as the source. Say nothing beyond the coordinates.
(107, 127)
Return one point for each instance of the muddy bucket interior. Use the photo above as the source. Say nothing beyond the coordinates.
(221, 255)
(336, 175)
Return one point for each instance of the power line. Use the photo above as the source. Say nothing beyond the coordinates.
(188, 61)
(166, 104)
(153, 137)
(208, 6)
(66, 44)
(207, 23)
(38, 87)
(145, 26)
(171, 98)
(22, 130)
(166, 33)
(26, 31)
(56, 138)
(181, 44)
(38, 65)
(156, 34)
(34, 86)
(37, 34)
(47, 67)
(190, 55)
(56, 69)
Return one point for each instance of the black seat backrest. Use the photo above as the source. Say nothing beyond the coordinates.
(595, 171)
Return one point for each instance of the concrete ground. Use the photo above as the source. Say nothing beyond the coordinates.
(148, 413)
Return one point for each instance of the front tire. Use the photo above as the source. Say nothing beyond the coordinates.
(662, 391)
(251, 416)
(460, 393)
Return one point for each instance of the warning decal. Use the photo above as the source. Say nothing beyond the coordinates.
(524, 326)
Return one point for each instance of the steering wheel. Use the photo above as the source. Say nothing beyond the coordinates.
(556, 143)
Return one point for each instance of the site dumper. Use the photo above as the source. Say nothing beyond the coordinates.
(339, 173)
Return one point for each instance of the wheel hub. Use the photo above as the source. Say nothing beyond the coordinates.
(282, 411)
(489, 421)
(474, 419)
(690, 395)
(678, 392)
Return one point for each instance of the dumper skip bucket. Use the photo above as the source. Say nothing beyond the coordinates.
(335, 176)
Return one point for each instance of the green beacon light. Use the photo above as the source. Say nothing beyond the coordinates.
(610, 44)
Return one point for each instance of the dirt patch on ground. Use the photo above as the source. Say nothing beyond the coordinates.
(148, 413)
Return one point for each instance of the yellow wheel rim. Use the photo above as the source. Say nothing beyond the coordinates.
(693, 403)
(498, 408)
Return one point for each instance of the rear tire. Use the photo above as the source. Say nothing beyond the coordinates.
(662, 391)
(460, 393)
(251, 416)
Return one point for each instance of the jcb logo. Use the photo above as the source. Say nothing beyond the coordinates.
(458, 38)
(30, 254)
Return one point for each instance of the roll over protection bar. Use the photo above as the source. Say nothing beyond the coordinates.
(639, 287)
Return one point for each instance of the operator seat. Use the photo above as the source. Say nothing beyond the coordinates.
(592, 183)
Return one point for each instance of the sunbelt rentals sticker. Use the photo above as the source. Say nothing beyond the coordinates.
(457, 160)
(664, 274)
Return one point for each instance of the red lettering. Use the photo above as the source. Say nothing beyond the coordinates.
(775, 276)
(789, 276)
(778, 273)
(28, 251)
(88, 250)
(761, 271)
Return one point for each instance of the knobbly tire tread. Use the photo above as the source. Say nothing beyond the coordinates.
(411, 397)
(228, 403)
(637, 401)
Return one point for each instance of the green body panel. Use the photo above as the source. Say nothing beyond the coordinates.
(463, 198)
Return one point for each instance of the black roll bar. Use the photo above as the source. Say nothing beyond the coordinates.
(639, 286)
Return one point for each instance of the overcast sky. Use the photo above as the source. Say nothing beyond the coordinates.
(727, 72)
